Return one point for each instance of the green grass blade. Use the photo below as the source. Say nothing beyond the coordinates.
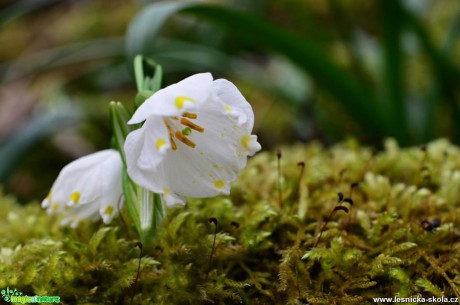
(119, 117)
(447, 74)
(453, 36)
(394, 105)
(359, 101)
(61, 56)
(14, 148)
(129, 191)
(180, 56)
(21, 8)
(139, 72)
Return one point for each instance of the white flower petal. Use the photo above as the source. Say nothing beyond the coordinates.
(186, 95)
(111, 201)
(172, 199)
(250, 144)
(73, 216)
(234, 102)
(109, 208)
(68, 185)
(144, 154)
(234, 139)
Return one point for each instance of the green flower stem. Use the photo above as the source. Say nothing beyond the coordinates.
(144, 207)
(119, 116)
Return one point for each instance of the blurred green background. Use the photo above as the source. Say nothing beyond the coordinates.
(312, 69)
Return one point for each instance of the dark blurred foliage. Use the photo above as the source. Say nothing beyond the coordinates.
(64, 62)
(372, 69)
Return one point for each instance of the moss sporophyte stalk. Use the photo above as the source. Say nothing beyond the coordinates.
(381, 248)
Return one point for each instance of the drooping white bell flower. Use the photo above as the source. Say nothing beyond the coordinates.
(195, 139)
(88, 188)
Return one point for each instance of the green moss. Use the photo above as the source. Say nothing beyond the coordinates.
(265, 249)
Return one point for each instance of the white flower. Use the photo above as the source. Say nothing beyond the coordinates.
(87, 188)
(195, 139)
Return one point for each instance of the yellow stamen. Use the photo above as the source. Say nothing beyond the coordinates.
(171, 135)
(167, 126)
(184, 139)
(173, 144)
(190, 124)
(181, 100)
(219, 184)
(75, 197)
(189, 115)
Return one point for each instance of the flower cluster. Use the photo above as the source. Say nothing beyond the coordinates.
(195, 138)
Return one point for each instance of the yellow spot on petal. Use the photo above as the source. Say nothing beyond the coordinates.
(166, 191)
(245, 140)
(55, 206)
(228, 108)
(75, 197)
(48, 197)
(219, 184)
(160, 143)
(108, 210)
(181, 100)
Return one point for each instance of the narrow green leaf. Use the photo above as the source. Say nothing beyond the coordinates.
(145, 26)
(119, 117)
(139, 72)
(146, 84)
(290, 84)
(158, 214)
(359, 102)
(155, 83)
(129, 192)
(61, 56)
(21, 8)
(13, 148)
(453, 36)
(447, 74)
(394, 105)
